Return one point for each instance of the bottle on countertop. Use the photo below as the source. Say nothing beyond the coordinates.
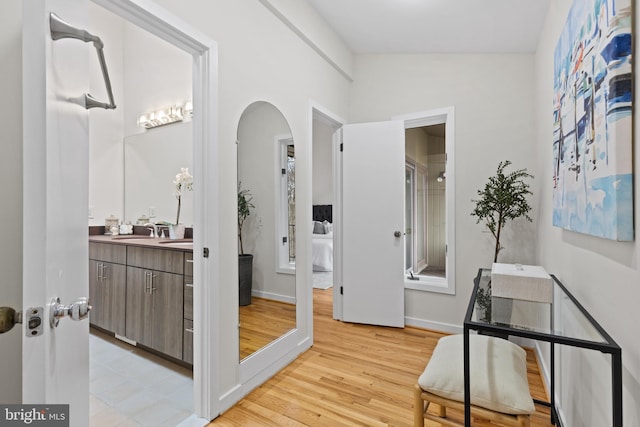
(109, 222)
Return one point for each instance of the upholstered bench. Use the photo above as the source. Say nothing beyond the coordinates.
(499, 386)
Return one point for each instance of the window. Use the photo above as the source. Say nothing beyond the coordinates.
(286, 205)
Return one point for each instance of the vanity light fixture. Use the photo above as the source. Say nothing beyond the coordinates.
(165, 116)
(187, 110)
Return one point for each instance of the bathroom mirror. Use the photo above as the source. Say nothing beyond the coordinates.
(151, 161)
(266, 179)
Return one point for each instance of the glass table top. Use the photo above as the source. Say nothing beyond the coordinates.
(562, 318)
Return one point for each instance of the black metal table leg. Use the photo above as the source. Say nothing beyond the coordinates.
(467, 378)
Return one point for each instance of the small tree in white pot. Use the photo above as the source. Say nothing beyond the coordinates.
(503, 198)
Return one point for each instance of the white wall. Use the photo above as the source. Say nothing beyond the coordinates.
(602, 274)
(257, 169)
(302, 17)
(416, 142)
(322, 163)
(493, 99)
(11, 212)
(106, 127)
(151, 161)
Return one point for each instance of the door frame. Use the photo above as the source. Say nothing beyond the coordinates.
(318, 112)
(168, 27)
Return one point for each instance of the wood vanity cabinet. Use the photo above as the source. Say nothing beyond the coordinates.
(155, 295)
(144, 294)
(107, 286)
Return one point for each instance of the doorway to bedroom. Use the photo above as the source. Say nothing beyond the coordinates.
(323, 196)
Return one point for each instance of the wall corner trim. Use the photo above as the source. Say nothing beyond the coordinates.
(297, 31)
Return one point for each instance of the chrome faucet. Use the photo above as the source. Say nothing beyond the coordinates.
(154, 229)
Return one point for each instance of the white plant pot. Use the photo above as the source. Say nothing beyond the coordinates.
(176, 231)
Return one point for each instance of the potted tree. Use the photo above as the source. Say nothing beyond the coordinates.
(504, 198)
(245, 261)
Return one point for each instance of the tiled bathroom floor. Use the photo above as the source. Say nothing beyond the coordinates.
(131, 387)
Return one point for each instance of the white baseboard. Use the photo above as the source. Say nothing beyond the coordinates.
(125, 339)
(545, 370)
(546, 377)
(435, 326)
(275, 297)
(193, 421)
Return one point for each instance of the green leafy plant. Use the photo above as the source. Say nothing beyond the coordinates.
(244, 210)
(503, 198)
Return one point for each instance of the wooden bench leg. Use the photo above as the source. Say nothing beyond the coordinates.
(524, 421)
(442, 412)
(418, 407)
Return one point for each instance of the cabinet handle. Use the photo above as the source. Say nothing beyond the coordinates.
(97, 272)
(189, 285)
(189, 330)
(104, 269)
(151, 277)
(101, 272)
(147, 283)
(190, 260)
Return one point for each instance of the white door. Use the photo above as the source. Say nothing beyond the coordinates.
(55, 365)
(373, 171)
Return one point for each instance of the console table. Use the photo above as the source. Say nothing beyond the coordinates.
(542, 322)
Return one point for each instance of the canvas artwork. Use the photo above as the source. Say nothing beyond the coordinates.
(592, 135)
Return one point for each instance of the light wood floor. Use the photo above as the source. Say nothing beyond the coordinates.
(354, 375)
(263, 321)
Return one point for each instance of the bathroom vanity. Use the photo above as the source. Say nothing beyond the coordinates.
(141, 289)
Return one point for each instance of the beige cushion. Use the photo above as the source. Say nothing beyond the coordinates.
(498, 373)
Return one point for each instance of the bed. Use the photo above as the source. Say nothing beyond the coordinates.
(322, 238)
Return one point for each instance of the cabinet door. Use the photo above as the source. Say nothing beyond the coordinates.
(113, 292)
(188, 297)
(167, 317)
(95, 294)
(139, 306)
(187, 342)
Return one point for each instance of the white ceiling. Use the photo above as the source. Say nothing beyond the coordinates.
(436, 26)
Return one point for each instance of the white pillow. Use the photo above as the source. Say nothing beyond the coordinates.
(318, 228)
(498, 373)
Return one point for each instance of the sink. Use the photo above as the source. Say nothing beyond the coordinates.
(131, 236)
(176, 242)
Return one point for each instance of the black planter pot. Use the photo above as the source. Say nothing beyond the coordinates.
(245, 275)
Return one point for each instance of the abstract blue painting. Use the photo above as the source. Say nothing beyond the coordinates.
(592, 112)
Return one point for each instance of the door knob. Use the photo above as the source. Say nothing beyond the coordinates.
(77, 310)
(9, 317)
(397, 233)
